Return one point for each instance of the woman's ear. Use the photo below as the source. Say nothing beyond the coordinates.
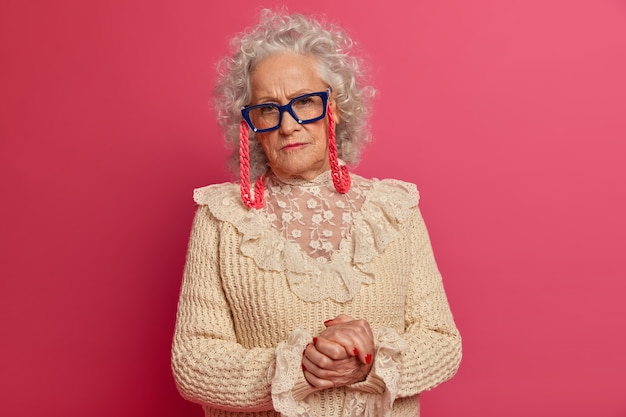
(336, 111)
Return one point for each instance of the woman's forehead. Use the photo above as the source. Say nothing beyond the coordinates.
(285, 74)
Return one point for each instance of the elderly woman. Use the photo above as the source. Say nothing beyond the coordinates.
(308, 290)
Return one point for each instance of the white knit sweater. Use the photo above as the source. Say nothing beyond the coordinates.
(254, 295)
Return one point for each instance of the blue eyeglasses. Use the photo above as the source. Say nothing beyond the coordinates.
(306, 108)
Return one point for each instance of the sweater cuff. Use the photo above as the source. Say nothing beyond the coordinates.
(302, 388)
(375, 395)
(290, 390)
(373, 384)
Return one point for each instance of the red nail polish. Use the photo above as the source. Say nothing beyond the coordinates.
(356, 352)
(327, 322)
(314, 341)
(368, 358)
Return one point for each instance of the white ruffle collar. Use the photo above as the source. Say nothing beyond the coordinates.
(376, 225)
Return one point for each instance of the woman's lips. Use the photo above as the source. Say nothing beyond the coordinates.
(290, 146)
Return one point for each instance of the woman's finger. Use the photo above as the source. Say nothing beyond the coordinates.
(339, 373)
(340, 319)
(355, 336)
(330, 348)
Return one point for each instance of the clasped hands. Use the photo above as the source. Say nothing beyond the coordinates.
(342, 354)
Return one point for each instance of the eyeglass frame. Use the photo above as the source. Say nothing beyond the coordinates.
(324, 95)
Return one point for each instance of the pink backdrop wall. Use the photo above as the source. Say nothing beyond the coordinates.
(509, 115)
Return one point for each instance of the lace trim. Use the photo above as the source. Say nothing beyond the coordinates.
(357, 403)
(286, 373)
(386, 367)
(376, 225)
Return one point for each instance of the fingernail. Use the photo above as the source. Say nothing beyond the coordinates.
(314, 340)
(327, 322)
(368, 358)
(356, 352)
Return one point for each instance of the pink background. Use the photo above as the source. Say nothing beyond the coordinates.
(509, 115)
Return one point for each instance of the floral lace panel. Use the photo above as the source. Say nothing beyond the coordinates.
(313, 214)
(322, 240)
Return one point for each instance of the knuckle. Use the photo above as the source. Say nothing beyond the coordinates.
(325, 362)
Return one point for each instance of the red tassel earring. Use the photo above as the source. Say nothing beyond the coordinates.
(340, 174)
(244, 172)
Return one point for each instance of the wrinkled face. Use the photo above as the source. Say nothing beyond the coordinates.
(294, 150)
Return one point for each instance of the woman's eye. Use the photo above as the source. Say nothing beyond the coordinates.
(304, 101)
(268, 109)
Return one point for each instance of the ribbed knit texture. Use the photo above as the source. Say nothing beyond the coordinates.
(232, 314)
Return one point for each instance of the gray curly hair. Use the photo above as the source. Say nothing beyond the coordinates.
(280, 32)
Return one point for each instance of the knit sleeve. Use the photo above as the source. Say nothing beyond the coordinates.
(434, 352)
(208, 364)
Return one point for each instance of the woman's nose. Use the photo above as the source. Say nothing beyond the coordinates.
(288, 124)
